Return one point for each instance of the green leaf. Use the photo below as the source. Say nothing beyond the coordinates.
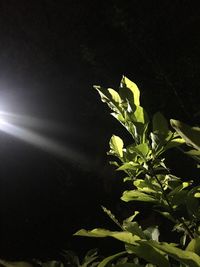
(125, 82)
(98, 232)
(114, 163)
(161, 142)
(189, 258)
(141, 150)
(193, 152)
(116, 144)
(156, 143)
(149, 253)
(49, 264)
(179, 188)
(152, 233)
(128, 178)
(108, 95)
(136, 195)
(143, 186)
(119, 117)
(115, 96)
(194, 245)
(128, 264)
(140, 115)
(134, 228)
(4, 263)
(190, 134)
(111, 97)
(160, 124)
(129, 166)
(130, 219)
(174, 143)
(110, 259)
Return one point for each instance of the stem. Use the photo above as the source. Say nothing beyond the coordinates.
(172, 212)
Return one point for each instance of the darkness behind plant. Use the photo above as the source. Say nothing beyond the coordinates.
(50, 54)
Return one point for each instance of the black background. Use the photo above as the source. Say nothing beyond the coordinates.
(51, 53)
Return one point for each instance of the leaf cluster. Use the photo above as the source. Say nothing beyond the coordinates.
(70, 259)
(143, 165)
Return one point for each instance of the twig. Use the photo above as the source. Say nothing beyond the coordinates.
(180, 220)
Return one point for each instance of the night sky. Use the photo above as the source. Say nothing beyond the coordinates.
(51, 53)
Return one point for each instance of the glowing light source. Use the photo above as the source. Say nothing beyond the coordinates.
(2, 119)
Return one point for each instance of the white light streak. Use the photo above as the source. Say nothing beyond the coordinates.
(43, 142)
(30, 121)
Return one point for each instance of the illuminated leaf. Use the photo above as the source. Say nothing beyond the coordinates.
(174, 143)
(130, 264)
(4, 263)
(134, 228)
(98, 232)
(110, 259)
(160, 124)
(114, 95)
(133, 88)
(186, 257)
(190, 134)
(129, 166)
(111, 97)
(141, 150)
(140, 115)
(149, 253)
(152, 233)
(179, 188)
(194, 245)
(143, 186)
(116, 144)
(129, 219)
(137, 196)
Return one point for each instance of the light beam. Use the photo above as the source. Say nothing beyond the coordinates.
(42, 142)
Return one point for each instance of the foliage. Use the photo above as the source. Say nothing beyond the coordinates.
(191, 137)
(152, 182)
(70, 259)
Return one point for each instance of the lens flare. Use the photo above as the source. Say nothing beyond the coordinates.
(40, 141)
(2, 119)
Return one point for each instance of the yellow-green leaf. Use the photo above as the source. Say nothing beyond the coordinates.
(140, 115)
(133, 88)
(160, 123)
(109, 259)
(115, 96)
(186, 257)
(116, 144)
(194, 245)
(119, 235)
(190, 134)
(129, 166)
(15, 263)
(149, 253)
(137, 196)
